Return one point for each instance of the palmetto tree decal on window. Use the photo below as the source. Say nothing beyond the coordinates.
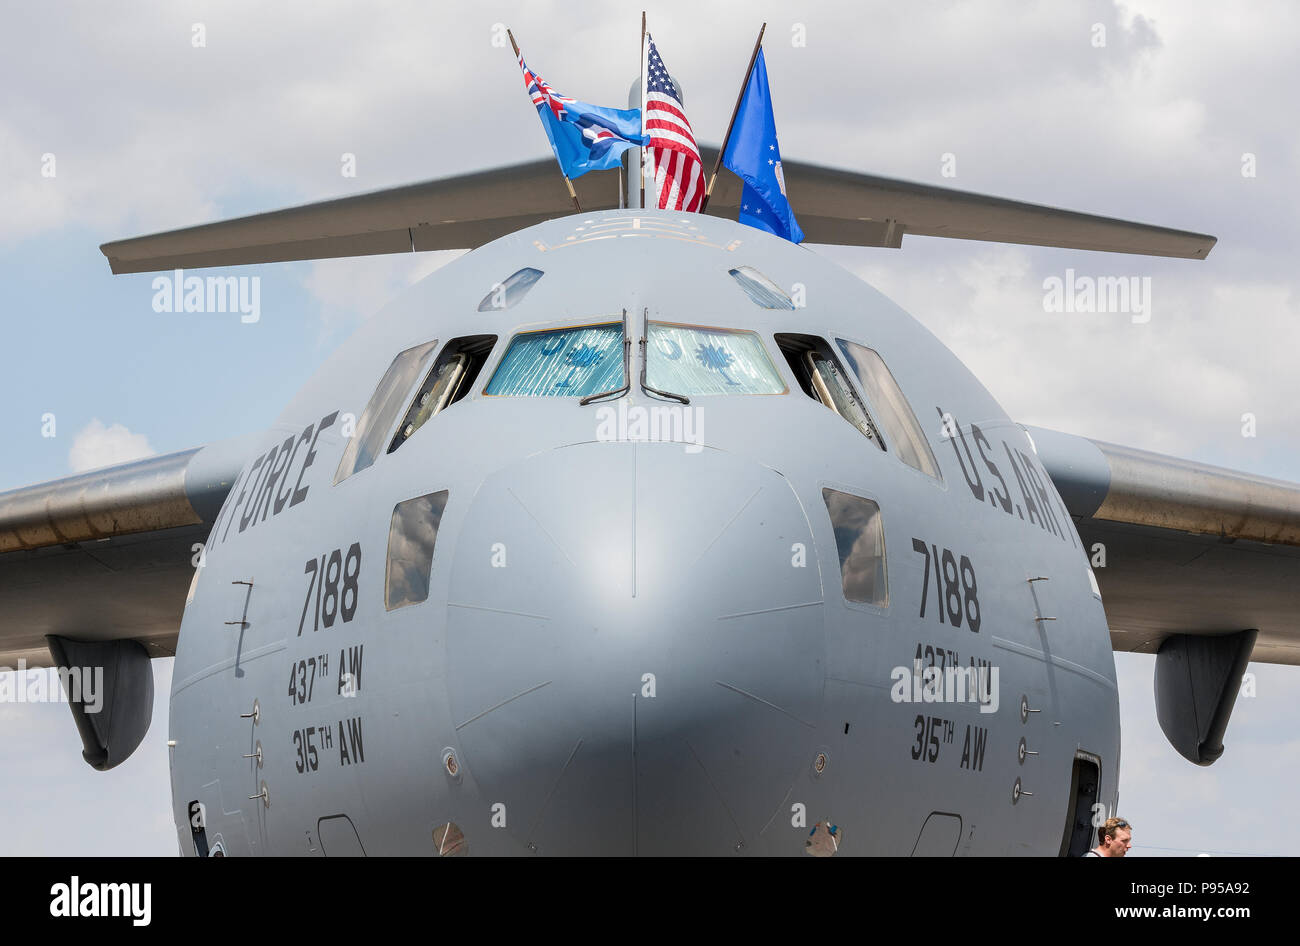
(584, 356)
(716, 358)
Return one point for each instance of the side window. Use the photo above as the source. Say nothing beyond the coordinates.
(450, 379)
(411, 540)
(371, 436)
(895, 414)
(822, 378)
(860, 539)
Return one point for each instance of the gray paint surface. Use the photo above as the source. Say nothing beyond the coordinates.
(626, 559)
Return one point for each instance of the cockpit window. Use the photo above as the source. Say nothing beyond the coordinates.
(860, 540)
(508, 293)
(569, 362)
(371, 436)
(822, 378)
(836, 393)
(896, 417)
(762, 291)
(693, 360)
(447, 382)
(441, 386)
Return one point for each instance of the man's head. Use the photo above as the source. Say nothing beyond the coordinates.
(1115, 837)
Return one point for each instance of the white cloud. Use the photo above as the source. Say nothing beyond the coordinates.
(1178, 384)
(96, 445)
(360, 286)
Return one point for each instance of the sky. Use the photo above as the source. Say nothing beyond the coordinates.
(1180, 116)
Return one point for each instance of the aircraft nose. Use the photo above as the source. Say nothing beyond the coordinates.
(635, 647)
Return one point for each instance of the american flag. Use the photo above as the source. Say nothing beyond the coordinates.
(674, 171)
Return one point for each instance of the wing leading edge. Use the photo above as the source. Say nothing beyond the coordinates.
(107, 555)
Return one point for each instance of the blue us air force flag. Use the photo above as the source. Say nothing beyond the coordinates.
(753, 154)
(584, 137)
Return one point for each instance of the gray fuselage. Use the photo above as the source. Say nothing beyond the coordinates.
(633, 645)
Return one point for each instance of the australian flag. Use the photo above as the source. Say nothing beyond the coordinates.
(584, 137)
(754, 155)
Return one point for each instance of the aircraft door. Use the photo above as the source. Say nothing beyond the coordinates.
(1085, 784)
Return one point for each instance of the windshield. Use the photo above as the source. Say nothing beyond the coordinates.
(569, 362)
(691, 360)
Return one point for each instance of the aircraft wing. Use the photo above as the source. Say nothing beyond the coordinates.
(450, 213)
(834, 206)
(107, 555)
(1189, 549)
(849, 208)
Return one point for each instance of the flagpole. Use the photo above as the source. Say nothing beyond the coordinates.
(643, 147)
(731, 124)
(567, 183)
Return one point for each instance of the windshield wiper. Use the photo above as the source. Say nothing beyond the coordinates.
(627, 371)
(645, 322)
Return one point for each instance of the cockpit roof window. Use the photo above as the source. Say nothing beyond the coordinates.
(902, 429)
(511, 291)
(696, 360)
(762, 291)
(567, 362)
(382, 410)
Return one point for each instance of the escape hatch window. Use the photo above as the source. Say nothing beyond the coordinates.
(823, 379)
(567, 362)
(762, 291)
(695, 360)
(508, 293)
(895, 414)
(860, 539)
(411, 539)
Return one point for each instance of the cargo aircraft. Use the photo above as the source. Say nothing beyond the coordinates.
(635, 531)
